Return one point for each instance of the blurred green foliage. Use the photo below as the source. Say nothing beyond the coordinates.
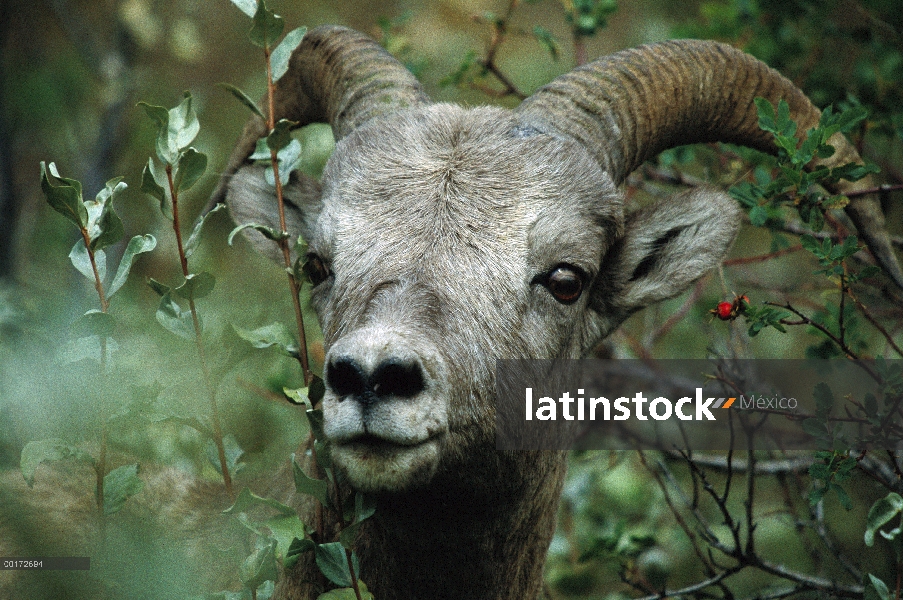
(71, 74)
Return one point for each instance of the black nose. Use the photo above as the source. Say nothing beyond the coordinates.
(392, 377)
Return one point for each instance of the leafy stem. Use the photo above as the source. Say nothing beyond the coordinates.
(198, 339)
(283, 242)
(100, 467)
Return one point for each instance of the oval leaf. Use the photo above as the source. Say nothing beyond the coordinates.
(171, 316)
(268, 232)
(261, 566)
(243, 97)
(118, 486)
(66, 199)
(166, 152)
(152, 182)
(183, 124)
(333, 563)
(283, 52)
(196, 285)
(34, 453)
(249, 7)
(248, 499)
(93, 322)
(194, 239)
(137, 245)
(308, 485)
(267, 26)
(104, 225)
(275, 334)
(82, 261)
(192, 165)
(281, 135)
(233, 453)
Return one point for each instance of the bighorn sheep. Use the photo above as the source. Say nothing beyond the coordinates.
(446, 237)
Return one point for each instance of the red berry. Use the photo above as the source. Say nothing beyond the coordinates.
(725, 310)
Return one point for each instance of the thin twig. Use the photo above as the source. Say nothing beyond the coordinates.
(199, 341)
(283, 240)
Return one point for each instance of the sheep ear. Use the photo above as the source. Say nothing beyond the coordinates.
(665, 248)
(252, 200)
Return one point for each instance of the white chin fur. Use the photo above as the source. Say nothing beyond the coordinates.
(385, 467)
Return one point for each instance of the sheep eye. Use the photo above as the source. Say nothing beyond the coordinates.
(316, 270)
(565, 283)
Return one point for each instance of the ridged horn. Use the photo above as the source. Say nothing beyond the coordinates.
(629, 106)
(336, 76)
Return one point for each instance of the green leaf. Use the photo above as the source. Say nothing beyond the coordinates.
(233, 453)
(249, 7)
(248, 499)
(283, 52)
(194, 239)
(758, 215)
(176, 128)
(288, 159)
(281, 135)
(261, 150)
(171, 316)
(786, 126)
(153, 181)
(815, 428)
(261, 566)
(766, 115)
(160, 116)
(183, 124)
(275, 334)
(876, 589)
(66, 199)
(307, 485)
(297, 396)
(243, 97)
(547, 41)
(118, 486)
(811, 244)
(309, 395)
(268, 232)
(364, 507)
(298, 547)
(347, 593)
(196, 285)
(285, 530)
(882, 512)
(82, 261)
(160, 288)
(93, 322)
(104, 225)
(842, 496)
(192, 165)
(137, 245)
(315, 418)
(460, 75)
(37, 452)
(267, 26)
(333, 563)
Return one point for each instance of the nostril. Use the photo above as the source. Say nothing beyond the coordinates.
(346, 378)
(396, 378)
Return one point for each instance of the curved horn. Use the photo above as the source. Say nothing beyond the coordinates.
(628, 107)
(337, 76)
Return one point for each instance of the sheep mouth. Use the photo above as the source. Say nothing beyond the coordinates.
(377, 446)
(376, 464)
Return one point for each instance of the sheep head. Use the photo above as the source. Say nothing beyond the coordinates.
(444, 238)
